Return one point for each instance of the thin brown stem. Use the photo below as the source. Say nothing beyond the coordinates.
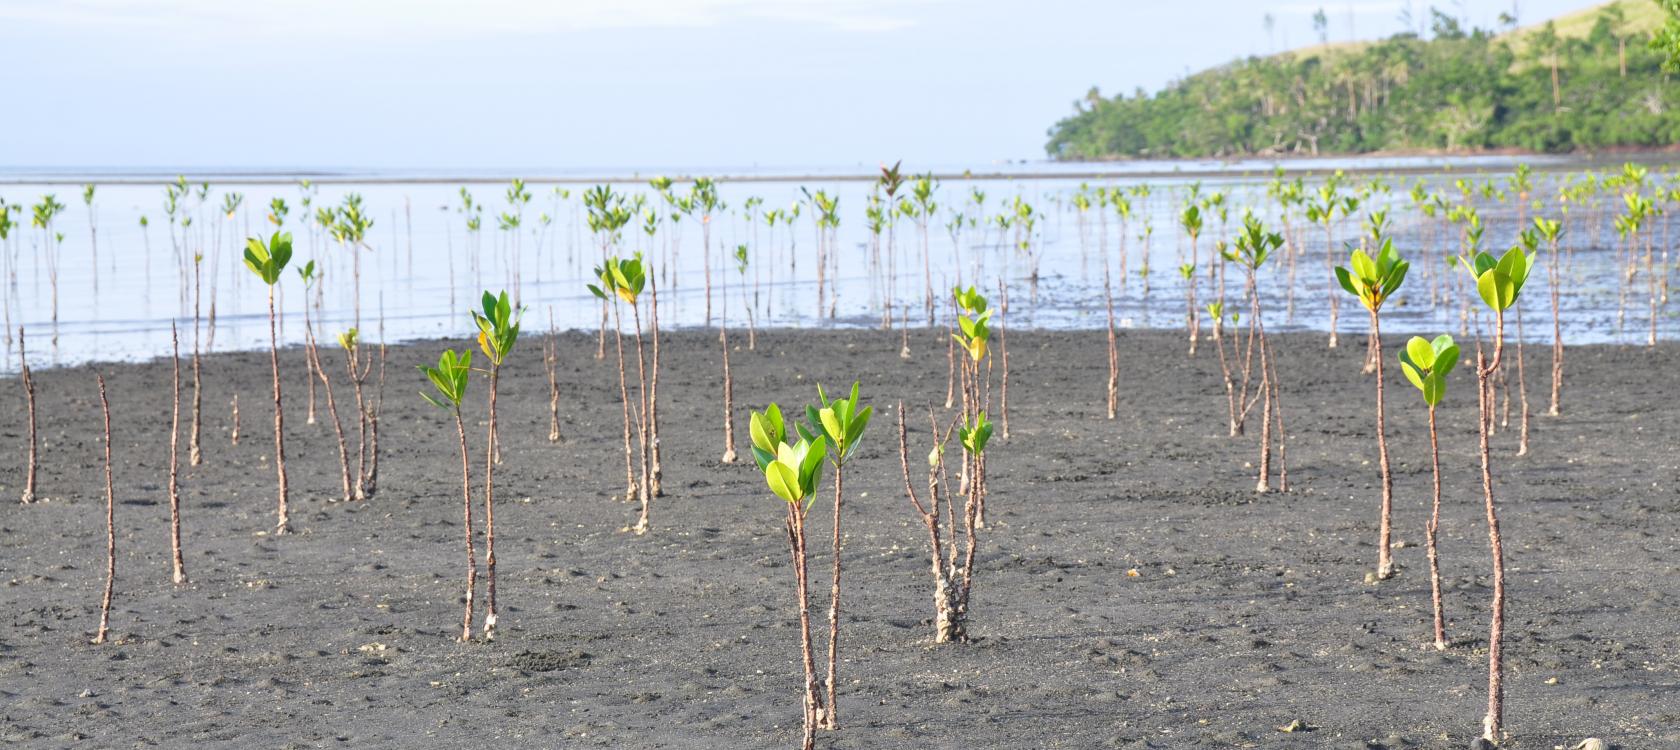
(490, 513)
(830, 720)
(1431, 532)
(282, 524)
(110, 523)
(176, 559)
(1385, 560)
(29, 396)
(467, 523)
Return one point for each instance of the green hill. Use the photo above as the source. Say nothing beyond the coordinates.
(1582, 81)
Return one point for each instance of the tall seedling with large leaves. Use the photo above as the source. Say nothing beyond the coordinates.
(840, 423)
(1373, 281)
(622, 280)
(498, 331)
(267, 260)
(793, 471)
(1427, 363)
(1499, 283)
(449, 379)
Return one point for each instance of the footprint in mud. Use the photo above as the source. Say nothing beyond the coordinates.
(548, 661)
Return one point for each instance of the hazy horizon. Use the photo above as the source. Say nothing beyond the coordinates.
(646, 84)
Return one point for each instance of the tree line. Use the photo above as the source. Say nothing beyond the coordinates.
(1454, 89)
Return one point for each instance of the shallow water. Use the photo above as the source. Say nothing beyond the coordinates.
(424, 269)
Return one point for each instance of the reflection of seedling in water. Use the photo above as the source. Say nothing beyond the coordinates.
(1427, 363)
(841, 424)
(450, 380)
(267, 260)
(498, 331)
(1499, 283)
(793, 472)
(1373, 281)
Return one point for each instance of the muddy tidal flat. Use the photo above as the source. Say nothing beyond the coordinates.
(1132, 590)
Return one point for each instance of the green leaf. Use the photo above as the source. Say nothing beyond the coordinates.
(1421, 352)
(1434, 389)
(1446, 356)
(1347, 281)
(783, 481)
(1413, 372)
(1363, 266)
(832, 429)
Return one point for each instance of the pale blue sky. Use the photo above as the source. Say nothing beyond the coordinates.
(606, 83)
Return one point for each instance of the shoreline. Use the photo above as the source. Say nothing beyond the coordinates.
(1441, 162)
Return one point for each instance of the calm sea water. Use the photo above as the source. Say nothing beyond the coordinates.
(422, 269)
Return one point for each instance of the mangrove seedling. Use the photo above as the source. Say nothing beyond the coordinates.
(793, 472)
(93, 232)
(310, 277)
(622, 280)
(752, 323)
(267, 260)
(350, 342)
(951, 579)
(1427, 363)
(1252, 247)
(840, 423)
(1373, 281)
(498, 331)
(449, 378)
(1499, 283)
(1191, 222)
(1552, 231)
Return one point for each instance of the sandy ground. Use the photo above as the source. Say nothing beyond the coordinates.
(1249, 612)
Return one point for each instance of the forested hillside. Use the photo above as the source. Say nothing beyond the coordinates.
(1581, 82)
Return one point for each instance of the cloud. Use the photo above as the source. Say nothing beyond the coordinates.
(447, 18)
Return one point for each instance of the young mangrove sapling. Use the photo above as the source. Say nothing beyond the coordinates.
(1427, 363)
(450, 380)
(267, 260)
(498, 331)
(840, 423)
(793, 473)
(1373, 281)
(1499, 283)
